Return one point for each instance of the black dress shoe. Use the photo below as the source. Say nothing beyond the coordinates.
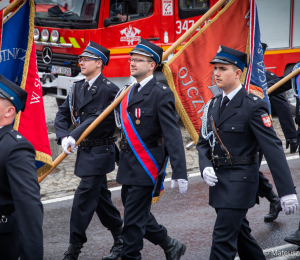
(73, 251)
(116, 249)
(173, 248)
(293, 238)
(275, 207)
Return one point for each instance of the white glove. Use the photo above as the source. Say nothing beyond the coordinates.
(209, 176)
(289, 204)
(66, 142)
(183, 185)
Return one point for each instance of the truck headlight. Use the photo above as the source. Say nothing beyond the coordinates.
(45, 35)
(36, 34)
(54, 36)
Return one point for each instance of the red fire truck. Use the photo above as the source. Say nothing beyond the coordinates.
(64, 27)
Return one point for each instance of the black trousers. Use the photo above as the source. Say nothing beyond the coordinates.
(283, 111)
(231, 235)
(92, 196)
(264, 186)
(139, 222)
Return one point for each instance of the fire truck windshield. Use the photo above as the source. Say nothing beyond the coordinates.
(83, 14)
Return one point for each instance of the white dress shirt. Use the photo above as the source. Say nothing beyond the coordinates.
(231, 94)
(144, 82)
(92, 81)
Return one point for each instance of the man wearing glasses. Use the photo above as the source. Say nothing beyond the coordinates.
(149, 130)
(96, 155)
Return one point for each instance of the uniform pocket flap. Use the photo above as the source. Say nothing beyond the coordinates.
(104, 149)
(242, 176)
(233, 128)
(147, 111)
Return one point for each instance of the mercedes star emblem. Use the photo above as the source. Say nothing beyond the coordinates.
(47, 55)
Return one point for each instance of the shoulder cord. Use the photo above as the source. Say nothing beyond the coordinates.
(71, 106)
(204, 132)
(117, 113)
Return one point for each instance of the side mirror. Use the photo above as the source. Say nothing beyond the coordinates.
(107, 22)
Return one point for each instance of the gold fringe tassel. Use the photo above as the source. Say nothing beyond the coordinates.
(45, 158)
(156, 199)
(168, 74)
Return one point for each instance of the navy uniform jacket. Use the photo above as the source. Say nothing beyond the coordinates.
(19, 187)
(272, 79)
(242, 131)
(157, 121)
(97, 160)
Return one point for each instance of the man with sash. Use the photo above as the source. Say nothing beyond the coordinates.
(235, 125)
(21, 210)
(149, 132)
(96, 155)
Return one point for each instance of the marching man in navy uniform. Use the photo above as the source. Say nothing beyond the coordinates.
(96, 155)
(21, 210)
(148, 122)
(235, 125)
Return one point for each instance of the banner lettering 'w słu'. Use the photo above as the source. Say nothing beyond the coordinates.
(189, 73)
(18, 63)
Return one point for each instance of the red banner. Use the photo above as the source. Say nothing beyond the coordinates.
(32, 122)
(189, 73)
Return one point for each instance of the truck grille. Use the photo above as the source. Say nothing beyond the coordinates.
(62, 60)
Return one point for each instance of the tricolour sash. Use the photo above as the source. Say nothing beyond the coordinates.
(141, 151)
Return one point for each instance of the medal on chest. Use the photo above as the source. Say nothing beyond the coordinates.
(137, 115)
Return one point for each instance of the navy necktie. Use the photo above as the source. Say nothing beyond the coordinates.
(224, 103)
(135, 89)
(85, 87)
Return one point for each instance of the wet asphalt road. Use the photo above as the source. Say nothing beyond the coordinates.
(187, 218)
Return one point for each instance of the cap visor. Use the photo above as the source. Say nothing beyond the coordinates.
(87, 54)
(141, 53)
(220, 61)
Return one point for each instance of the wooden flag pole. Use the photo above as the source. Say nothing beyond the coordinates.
(284, 80)
(11, 6)
(112, 106)
(183, 37)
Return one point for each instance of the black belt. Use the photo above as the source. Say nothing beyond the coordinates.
(125, 146)
(6, 210)
(218, 161)
(99, 142)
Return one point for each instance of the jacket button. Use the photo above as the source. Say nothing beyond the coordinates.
(106, 149)
(129, 113)
(216, 169)
(95, 109)
(82, 148)
(82, 113)
(143, 112)
(245, 178)
(232, 128)
(217, 129)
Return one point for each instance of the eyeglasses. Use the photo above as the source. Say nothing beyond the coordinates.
(138, 60)
(85, 60)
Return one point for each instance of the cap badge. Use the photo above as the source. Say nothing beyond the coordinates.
(18, 136)
(255, 98)
(164, 87)
(220, 49)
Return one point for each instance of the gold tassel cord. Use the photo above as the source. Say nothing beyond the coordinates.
(45, 158)
(156, 199)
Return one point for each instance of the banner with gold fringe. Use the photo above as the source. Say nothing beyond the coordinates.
(18, 63)
(189, 73)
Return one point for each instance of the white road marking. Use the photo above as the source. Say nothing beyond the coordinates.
(293, 157)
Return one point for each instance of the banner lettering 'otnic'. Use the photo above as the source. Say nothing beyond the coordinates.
(18, 63)
(189, 73)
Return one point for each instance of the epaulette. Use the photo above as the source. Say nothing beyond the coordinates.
(17, 136)
(253, 97)
(107, 82)
(162, 86)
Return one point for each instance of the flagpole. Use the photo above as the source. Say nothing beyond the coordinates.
(284, 80)
(112, 106)
(183, 37)
(11, 6)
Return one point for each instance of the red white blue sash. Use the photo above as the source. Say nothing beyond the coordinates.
(137, 145)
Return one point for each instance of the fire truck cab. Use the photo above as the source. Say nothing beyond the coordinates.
(63, 28)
